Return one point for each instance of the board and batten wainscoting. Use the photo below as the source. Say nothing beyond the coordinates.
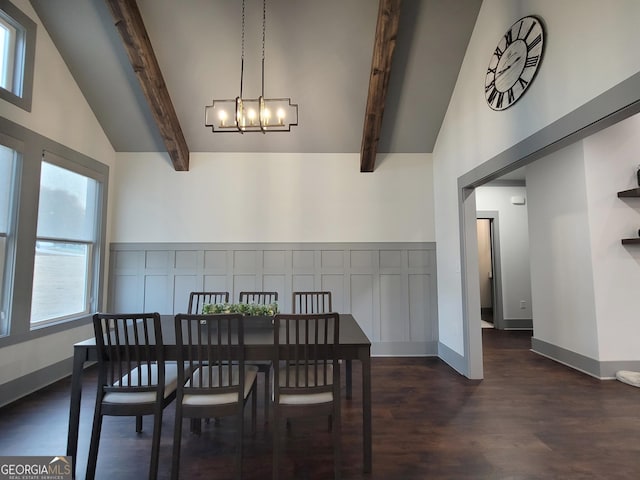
(390, 288)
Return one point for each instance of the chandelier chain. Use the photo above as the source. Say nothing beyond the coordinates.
(242, 52)
(264, 22)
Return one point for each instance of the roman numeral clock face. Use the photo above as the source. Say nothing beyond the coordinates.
(514, 63)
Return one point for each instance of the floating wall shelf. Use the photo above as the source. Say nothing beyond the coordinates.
(631, 241)
(633, 192)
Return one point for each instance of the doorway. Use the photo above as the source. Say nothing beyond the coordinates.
(616, 104)
(489, 269)
(485, 270)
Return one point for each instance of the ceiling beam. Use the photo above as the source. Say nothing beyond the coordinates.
(128, 21)
(383, 47)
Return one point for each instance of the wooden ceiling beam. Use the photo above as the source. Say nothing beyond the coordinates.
(384, 45)
(128, 21)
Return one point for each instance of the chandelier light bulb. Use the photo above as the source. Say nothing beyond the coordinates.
(223, 117)
(252, 116)
(266, 116)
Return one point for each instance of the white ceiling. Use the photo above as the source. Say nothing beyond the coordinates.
(318, 52)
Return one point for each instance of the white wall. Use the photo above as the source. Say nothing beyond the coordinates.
(588, 50)
(265, 197)
(587, 307)
(61, 113)
(612, 157)
(514, 247)
(561, 273)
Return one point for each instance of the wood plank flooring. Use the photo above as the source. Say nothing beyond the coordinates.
(530, 418)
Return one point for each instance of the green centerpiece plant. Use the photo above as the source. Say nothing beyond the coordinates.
(251, 309)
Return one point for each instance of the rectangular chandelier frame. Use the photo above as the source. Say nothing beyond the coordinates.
(251, 115)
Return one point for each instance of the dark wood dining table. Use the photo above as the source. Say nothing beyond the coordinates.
(354, 345)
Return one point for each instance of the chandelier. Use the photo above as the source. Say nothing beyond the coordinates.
(252, 114)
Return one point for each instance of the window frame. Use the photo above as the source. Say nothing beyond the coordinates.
(27, 198)
(24, 56)
(91, 264)
(8, 267)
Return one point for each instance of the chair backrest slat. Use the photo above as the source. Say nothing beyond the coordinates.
(213, 348)
(305, 349)
(311, 302)
(126, 344)
(259, 298)
(197, 300)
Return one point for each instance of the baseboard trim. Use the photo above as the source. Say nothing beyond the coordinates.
(452, 358)
(34, 381)
(518, 324)
(404, 349)
(582, 363)
(608, 369)
(566, 357)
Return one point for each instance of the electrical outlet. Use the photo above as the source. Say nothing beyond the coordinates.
(523, 304)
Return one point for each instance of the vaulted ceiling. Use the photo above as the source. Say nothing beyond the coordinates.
(318, 52)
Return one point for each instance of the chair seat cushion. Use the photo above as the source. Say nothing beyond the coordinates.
(250, 374)
(170, 382)
(305, 398)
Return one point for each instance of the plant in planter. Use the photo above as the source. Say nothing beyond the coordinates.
(251, 309)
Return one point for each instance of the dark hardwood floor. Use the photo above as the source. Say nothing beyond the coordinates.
(530, 418)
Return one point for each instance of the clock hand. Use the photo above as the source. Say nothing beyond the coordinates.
(503, 70)
(507, 67)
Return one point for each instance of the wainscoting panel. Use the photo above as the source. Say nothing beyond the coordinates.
(245, 282)
(390, 288)
(127, 294)
(394, 320)
(362, 305)
(182, 287)
(418, 303)
(157, 293)
(215, 260)
(213, 283)
(302, 283)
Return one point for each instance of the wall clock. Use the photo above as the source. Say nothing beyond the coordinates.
(514, 63)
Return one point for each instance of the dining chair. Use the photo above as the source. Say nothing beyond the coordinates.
(197, 300)
(306, 375)
(133, 378)
(311, 302)
(211, 347)
(264, 366)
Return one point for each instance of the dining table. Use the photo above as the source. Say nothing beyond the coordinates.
(259, 345)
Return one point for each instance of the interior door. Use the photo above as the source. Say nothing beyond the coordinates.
(485, 268)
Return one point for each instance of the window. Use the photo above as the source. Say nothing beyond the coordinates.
(7, 167)
(65, 244)
(17, 55)
(53, 203)
(8, 35)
